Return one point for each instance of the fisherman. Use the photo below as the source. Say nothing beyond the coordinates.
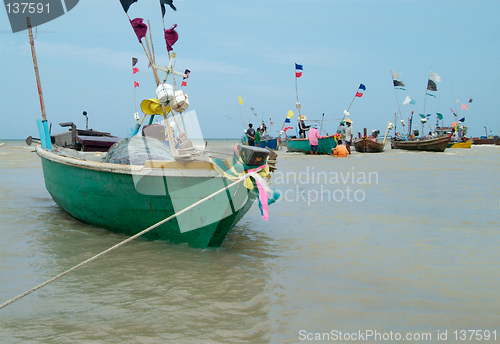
(302, 126)
(257, 137)
(251, 135)
(313, 139)
(348, 134)
(340, 150)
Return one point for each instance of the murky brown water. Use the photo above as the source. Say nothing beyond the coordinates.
(410, 245)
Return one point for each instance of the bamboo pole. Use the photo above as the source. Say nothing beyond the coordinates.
(37, 75)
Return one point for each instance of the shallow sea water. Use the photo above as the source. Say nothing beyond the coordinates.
(409, 245)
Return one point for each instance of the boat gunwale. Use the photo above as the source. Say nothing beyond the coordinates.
(125, 169)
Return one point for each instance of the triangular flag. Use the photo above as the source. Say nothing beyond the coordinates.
(240, 100)
(290, 114)
(135, 70)
(462, 120)
(470, 100)
(134, 61)
(407, 100)
(359, 94)
(362, 87)
(140, 28)
(395, 75)
(431, 85)
(162, 5)
(136, 84)
(397, 83)
(440, 116)
(126, 4)
(422, 115)
(434, 77)
(184, 83)
(171, 37)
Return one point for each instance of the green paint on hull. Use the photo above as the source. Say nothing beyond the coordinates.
(111, 200)
(325, 145)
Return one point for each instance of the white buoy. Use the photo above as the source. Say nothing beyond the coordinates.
(180, 103)
(164, 93)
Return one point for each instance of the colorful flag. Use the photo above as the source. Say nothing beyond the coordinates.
(126, 4)
(184, 82)
(134, 61)
(359, 94)
(464, 107)
(240, 100)
(136, 84)
(408, 100)
(434, 77)
(297, 69)
(440, 116)
(431, 85)
(395, 75)
(290, 114)
(171, 37)
(362, 87)
(140, 28)
(135, 70)
(162, 5)
(398, 83)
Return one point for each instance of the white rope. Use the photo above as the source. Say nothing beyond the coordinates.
(122, 243)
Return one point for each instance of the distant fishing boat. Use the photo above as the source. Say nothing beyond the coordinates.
(325, 145)
(412, 141)
(483, 140)
(147, 182)
(458, 136)
(369, 144)
(437, 144)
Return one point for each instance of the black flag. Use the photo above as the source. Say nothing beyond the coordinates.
(168, 2)
(431, 86)
(126, 4)
(397, 83)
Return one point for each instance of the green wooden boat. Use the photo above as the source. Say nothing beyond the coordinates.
(325, 145)
(128, 199)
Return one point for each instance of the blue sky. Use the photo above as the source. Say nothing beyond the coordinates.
(248, 49)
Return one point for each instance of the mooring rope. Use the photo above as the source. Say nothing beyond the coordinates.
(26, 293)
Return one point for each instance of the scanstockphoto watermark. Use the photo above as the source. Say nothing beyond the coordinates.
(311, 186)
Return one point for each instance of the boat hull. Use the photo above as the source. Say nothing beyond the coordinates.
(125, 201)
(272, 143)
(486, 141)
(365, 145)
(465, 144)
(325, 145)
(437, 144)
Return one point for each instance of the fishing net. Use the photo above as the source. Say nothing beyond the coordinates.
(136, 150)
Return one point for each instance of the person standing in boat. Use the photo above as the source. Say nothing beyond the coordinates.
(348, 134)
(251, 135)
(257, 137)
(314, 136)
(303, 128)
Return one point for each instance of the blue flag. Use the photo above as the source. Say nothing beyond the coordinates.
(287, 120)
(462, 120)
(297, 66)
(362, 87)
